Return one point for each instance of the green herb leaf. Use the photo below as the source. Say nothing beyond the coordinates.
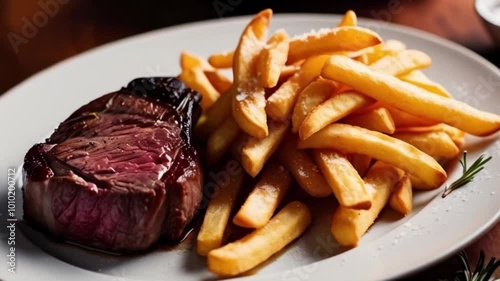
(467, 173)
(481, 272)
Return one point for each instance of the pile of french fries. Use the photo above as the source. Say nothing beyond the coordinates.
(337, 111)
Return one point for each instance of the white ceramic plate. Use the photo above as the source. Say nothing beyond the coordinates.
(393, 247)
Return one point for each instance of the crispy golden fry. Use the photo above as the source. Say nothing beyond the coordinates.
(214, 116)
(401, 199)
(287, 71)
(387, 48)
(374, 53)
(403, 119)
(332, 110)
(418, 78)
(344, 180)
(349, 19)
(221, 139)
(220, 82)
(195, 79)
(379, 120)
(455, 134)
(363, 110)
(249, 102)
(327, 41)
(256, 151)
(417, 183)
(193, 75)
(238, 146)
(303, 168)
(221, 60)
(361, 163)
(217, 215)
(362, 59)
(272, 59)
(313, 95)
(265, 197)
(410, 98)
(402, 62)
(258, 246)
(190, 61)
(280, 103)
(352, 139)
(349, 225)
(435, 143)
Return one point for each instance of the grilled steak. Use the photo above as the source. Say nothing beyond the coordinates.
(121, 171)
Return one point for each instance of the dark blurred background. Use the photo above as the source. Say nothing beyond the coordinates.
(38, 33)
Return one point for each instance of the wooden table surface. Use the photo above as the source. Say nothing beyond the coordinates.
(71, 27)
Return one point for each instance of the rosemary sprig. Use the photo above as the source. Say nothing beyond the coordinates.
(467, 173)
(481, 273)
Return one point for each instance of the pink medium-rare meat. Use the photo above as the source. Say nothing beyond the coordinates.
(121, 171)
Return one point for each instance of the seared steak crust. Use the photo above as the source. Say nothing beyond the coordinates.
(121, 171)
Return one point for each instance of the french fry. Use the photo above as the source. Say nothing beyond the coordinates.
(349, 225)
(253, 249)
(217, 215)
(362, 59)
(417, 183)
(280, 103)
(361, 163)
(352, 139)
(256, 151)
(265, 197)
(249, 102)
(238, 146)
(365, 109)
(221, 60)
(349, 19)
(374, 53)
(272, 59)
(287, 71)
(313, 95)
(343, 179)
(332, 110)
(196, 79)
(379, 120)
(377, 52)
(214, 116)
(190, 61)
(410, 98)
(402, 62)
(193, 75)
(220, 82)
(339, 39)
(401, 199)
(455, 134)
(403, 119)
(435, 143)
(221, 139)
(418, 78)
(303, 168)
